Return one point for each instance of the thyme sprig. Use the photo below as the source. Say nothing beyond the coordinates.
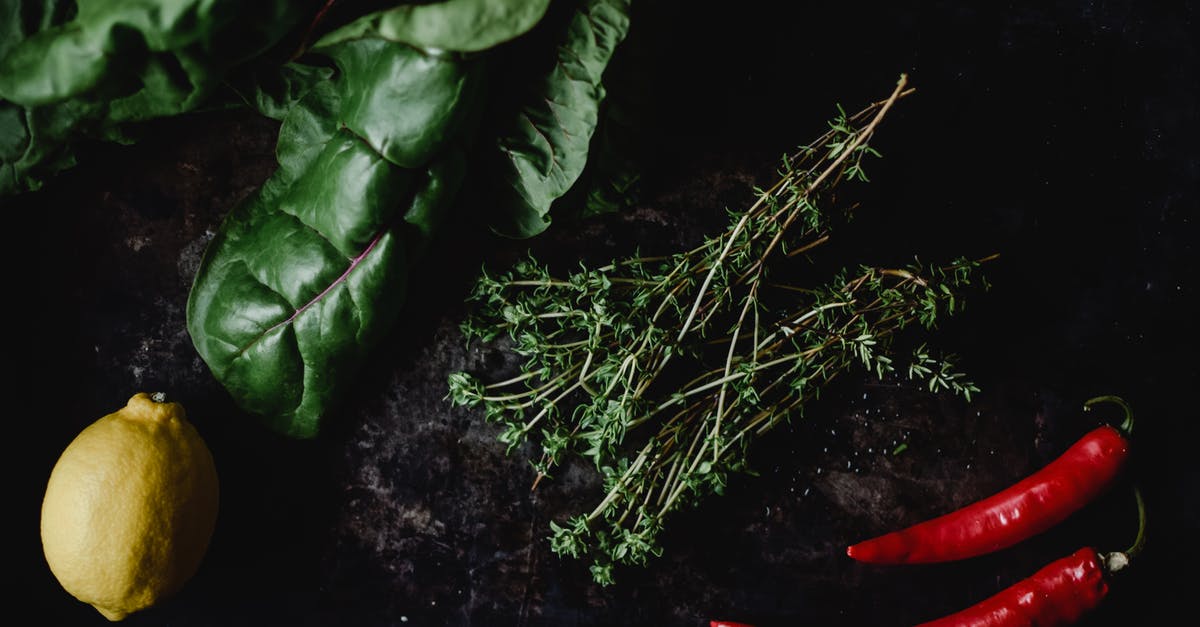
(663, 370)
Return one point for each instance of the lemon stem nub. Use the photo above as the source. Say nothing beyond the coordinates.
(159, 397)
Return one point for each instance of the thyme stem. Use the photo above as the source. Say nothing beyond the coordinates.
(614, 342)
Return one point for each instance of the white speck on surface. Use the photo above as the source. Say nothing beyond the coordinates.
(138, 242)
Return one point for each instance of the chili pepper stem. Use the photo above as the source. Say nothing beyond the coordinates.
(1118, 560)
(1139, 541)
(1126, 425)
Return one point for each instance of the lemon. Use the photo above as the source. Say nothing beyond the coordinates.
(130, 507)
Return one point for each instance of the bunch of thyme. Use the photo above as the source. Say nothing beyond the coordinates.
(663, 370)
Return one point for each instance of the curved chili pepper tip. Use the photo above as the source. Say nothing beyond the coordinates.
(725, 623)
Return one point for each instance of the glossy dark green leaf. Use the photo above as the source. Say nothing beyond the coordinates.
(427, 211)
(302, 279)
(21, 18)
(305, 130)
(29, 148)
(32, 145)
(452, 25)
(173, 49)
(404, 108)
(626, 140)
(274, 92)
(85, 69)
(545, 148)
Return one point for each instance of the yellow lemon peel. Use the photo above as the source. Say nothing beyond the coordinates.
(130, 507)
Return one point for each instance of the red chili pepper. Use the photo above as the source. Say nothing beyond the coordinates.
(1058, 594)
(725, 623)
(1025, 509)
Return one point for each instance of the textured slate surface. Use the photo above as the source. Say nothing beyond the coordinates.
(1059, 136)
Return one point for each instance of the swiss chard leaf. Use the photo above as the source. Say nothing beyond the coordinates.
(87, 68)
(454, 25)
(545, 148)
(27, 144)
(625, 139)
(273, 93)
(33, 142)
(172, 50)
(302, 279)
(21, 18)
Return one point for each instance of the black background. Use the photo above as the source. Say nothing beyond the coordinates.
(1060, 135)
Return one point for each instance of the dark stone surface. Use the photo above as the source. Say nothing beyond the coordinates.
(1061, 135)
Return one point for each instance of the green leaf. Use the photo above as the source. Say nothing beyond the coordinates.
(31, 143)
(21, 18)
(402, 104)
(172, 50)
(28, 148)
(452, 25)
(86, 69)
(306, 128)
(273, 94)
(625, 141)
(302, 279)
(602, 573)
(544, 148)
